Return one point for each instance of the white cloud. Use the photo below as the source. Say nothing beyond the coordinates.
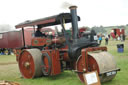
(92, 12)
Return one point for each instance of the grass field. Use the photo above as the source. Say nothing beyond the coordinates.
(11, 72)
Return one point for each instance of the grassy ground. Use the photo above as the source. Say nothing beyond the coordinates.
(122, 62)
(11, 72)
(6, 58)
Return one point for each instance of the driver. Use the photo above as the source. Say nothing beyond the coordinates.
(38, 33)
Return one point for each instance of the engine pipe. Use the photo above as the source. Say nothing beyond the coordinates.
(74, 21)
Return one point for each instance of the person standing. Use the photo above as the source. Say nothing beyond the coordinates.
(123, 37)
(106, 40)
(100, 39)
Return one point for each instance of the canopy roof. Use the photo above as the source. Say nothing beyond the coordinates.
(48, 21)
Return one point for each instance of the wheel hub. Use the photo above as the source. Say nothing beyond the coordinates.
(27, 65)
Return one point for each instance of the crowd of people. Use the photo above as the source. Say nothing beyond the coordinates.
(108, 37)
(5, 51)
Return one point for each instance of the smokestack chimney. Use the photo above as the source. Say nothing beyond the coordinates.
(74, 21)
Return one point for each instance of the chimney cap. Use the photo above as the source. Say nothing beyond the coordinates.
(72, 7)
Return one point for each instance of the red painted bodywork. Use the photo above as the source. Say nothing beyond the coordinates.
(56, 66)
(38, 41)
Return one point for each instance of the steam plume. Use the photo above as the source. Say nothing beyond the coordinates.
(66, 5)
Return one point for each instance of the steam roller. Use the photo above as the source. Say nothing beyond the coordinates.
(49, 56)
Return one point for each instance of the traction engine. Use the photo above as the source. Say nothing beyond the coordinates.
(48, 56)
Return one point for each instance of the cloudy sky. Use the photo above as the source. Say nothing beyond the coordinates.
(92, 12)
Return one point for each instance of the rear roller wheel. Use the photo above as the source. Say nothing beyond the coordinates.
(30, 63)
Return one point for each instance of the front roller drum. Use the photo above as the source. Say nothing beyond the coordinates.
(101, 62)
(104, 63)
(30, 63)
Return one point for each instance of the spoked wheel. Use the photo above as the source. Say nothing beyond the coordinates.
(30, 63)
(46, 64)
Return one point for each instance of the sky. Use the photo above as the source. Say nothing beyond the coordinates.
(92, 12)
